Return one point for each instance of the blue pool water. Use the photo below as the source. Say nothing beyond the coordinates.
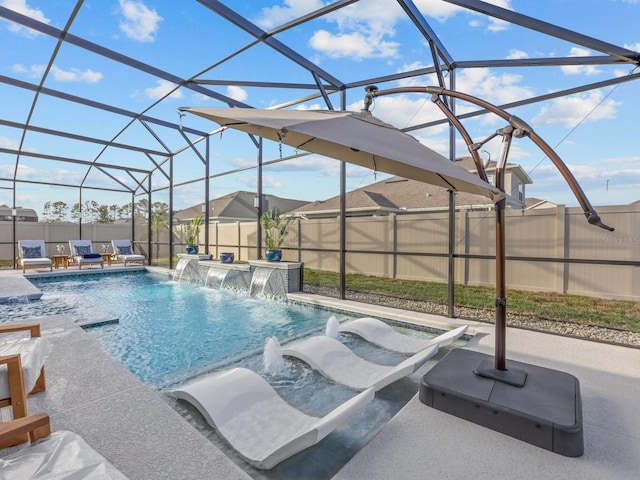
(171, 331)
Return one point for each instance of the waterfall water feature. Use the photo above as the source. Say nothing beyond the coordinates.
(180, 268)
(267, 282)
(331, 330)
(263, 281)
(215, 277)
(228, 279)
(272, 359)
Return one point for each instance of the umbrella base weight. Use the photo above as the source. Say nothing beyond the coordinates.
(545, 411)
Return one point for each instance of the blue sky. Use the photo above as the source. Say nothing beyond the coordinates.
(593, 132)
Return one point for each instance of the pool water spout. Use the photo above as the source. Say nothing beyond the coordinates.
(331, 330)
(272, 359)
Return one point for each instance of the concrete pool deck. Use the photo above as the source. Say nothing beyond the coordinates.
(130, 424)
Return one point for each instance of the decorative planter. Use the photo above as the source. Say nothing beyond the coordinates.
(192, 249)
(273, 255)
(227, 257)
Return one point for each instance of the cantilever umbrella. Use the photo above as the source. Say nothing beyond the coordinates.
(356, 138)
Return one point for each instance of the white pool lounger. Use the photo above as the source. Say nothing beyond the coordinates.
(381, 334)
(337, 362)
(256, 421)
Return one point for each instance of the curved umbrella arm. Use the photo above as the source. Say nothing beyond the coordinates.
(521, 129)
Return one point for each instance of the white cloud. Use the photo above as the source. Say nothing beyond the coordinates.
(442, 11)
(634, 46)
(54, 175)
(21, 6)
(403, 110)
(569, 111)
(606, 182)
(437, 9)
(268, 181)
(495, 88)
(356, 45)
(76, 75)
(71, 75)
(580, 69)
(418, 80)
(515, 54)
(140, 23)
(496, 25)
(10, 143)
(237, 93)
(271, 17)
(162, 89)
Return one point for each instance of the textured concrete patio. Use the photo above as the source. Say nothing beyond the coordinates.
(130, 424)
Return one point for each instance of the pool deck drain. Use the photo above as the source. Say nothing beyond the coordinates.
(129, 423)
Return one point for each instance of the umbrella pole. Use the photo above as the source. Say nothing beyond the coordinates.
(501, 295)
(498, 369)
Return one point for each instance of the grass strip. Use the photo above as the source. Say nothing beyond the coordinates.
(583, 310)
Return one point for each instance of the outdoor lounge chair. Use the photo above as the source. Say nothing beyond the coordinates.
(60, 455)
(31, 253)
(380, 334)
(338, 363)
(256, 421)
(123, 250)
(82, 253)
(21, 366)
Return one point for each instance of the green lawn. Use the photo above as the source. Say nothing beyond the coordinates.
(619, 314)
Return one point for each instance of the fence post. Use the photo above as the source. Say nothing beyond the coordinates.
(465, 240)
(393, 226)
(218, 242)
(239, 240)
(562, 249)
(299, 241)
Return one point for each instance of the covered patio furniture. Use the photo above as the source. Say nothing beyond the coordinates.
(21, 365)
(32, 253)
(123, 250)
(262, 427)
(83, 254)
(62, 455)
(340, 364)
(383, 335)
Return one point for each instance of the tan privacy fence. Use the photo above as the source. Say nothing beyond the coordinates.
(547, 250)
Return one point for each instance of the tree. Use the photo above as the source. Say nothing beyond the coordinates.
(54, 211)
(124, 211)
(103, 214)
(89, 211)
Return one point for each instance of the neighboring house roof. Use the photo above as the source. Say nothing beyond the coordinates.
(237, 206)
(531, 203)
(401, 195)
(395, 195)
(22, 214)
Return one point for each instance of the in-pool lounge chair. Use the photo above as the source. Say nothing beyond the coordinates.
(381, 334)
(31, 253)
(21, 365)
(123, 250)
(82, 253)
(60, 455)
(256, 421)
(338, 363)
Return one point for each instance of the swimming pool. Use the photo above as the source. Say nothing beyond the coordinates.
(170, 331)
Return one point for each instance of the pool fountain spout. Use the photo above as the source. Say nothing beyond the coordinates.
(272, 359)
(331, 330)
(267, 282)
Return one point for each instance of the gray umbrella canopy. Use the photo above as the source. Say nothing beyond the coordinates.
(352, 137)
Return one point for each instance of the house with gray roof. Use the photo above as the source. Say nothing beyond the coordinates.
(400, 195)
(238, 206)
